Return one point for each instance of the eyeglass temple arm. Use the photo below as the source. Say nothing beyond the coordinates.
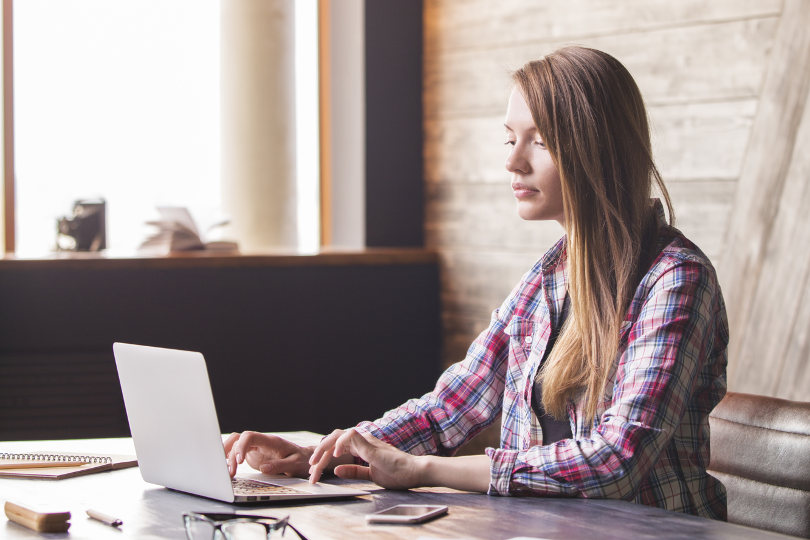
(300, 535)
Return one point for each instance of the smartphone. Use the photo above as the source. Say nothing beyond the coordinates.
(407, 513)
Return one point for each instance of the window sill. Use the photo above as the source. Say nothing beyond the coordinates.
(212, 259)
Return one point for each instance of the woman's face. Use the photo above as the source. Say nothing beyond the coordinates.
(535, 180)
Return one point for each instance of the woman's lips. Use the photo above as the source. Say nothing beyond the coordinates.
(522, 191)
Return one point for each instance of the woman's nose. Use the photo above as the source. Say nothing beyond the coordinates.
(515, 162)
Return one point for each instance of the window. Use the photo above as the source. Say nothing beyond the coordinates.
(120, 99)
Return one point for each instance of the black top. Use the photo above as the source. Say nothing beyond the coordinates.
(553, 430)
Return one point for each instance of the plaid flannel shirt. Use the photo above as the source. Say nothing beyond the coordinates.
(649, 442)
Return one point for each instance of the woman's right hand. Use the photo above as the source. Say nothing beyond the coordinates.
(322, 457)
(269, 454)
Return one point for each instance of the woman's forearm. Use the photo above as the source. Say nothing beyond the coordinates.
(468, 473)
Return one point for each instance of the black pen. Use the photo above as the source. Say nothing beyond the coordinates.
(105, 518)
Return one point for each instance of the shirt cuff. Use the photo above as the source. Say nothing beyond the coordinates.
(371, 429)
(501, 465)
(368, 427)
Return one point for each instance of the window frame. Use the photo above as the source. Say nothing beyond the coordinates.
(9, 234)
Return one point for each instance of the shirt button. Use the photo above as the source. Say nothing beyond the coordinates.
(528, 339)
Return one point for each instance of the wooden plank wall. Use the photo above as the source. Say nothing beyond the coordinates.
(701, 68)
(767, 262)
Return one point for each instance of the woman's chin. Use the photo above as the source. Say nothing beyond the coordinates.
(527, 213)
(530, 212)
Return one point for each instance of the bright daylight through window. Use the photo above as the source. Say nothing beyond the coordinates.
(120, 100)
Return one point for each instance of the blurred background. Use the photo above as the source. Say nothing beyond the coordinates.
(358, 124)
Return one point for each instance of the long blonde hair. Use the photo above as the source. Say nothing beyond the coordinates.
(591, 116)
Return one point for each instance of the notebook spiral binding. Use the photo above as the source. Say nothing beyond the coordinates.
(55, 457)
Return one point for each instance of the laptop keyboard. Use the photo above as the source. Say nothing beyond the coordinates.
(244, 486)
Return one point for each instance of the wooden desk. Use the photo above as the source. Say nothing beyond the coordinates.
(149, 511)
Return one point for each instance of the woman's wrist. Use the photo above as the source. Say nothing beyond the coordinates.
(467, 473)
(425, 471)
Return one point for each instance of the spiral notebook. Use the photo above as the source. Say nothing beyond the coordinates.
(36, 464)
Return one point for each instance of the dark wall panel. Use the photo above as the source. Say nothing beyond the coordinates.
(287, 347)
(394, 171)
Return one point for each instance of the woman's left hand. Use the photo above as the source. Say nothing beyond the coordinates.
(388, 466)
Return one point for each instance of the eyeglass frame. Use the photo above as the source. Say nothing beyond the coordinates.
(217, 520)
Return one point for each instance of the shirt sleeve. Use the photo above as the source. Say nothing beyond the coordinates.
(657, 376)
(467, 397)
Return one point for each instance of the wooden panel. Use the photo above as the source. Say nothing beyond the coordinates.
(701, 140)
(8, 198)
(485, 216)
(476, 282)
(683, 65)
(766, 261)
(702, 209)
(776, 316)
(466, 149)
(325, 121)
(795, 377)
(478, 24)
(213, 259)
(691, 141)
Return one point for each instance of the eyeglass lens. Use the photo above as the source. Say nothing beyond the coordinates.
(200, 529)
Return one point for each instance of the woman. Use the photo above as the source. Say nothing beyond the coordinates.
(604, 361)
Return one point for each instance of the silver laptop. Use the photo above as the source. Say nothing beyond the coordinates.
(176, 433)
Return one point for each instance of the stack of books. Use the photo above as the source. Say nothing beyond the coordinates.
(176, 231)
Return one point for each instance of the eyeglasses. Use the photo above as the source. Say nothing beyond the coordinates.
(209, 526)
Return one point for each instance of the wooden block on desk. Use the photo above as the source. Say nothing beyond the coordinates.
(38, 521)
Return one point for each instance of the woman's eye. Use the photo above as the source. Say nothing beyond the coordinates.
(540, 143)
(510, 143)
